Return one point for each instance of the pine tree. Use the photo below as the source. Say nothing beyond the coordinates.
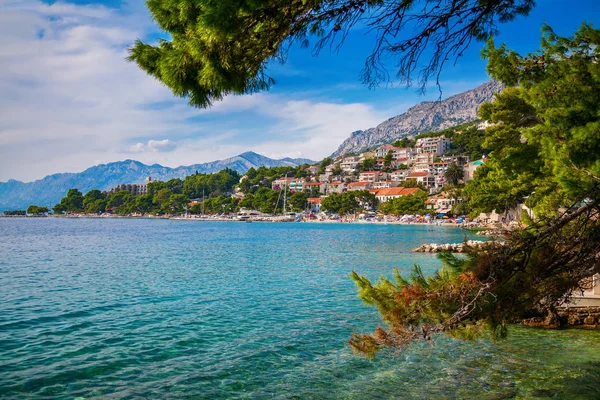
(223, 47)
(545, 150)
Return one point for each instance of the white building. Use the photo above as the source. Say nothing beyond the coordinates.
(352, 186)
(470, 169)
(385, 184)
(424, 178)
(336, 187)
(372, 176)
(436, 145)
(384, 195)
(399, 175)
(422, 161)
(321, 186)
(349, 164)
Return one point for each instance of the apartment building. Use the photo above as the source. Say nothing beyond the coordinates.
(436, 145)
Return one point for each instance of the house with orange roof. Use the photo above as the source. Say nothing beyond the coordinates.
(405, 153)
(399, 175)
(315, 203)
(382, 151)
(441, 203)
(336, 187)
(423, 177)
(372, 176)
(387, 194)
(385, 184)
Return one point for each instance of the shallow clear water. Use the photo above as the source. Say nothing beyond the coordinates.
(189, 309)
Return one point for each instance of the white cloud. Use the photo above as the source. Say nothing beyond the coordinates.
(161, 146)
(69, 100)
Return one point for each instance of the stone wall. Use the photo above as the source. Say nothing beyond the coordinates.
(576, 317)
(588, 317)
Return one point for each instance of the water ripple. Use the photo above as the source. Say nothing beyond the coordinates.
(174, 309)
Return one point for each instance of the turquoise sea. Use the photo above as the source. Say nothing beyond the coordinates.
(158, 309)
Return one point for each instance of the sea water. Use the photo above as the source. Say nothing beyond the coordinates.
(134, 308)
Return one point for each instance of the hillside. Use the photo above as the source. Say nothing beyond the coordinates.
(49, 190)
(426, 116)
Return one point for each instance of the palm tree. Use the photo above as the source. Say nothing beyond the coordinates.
(454, 173)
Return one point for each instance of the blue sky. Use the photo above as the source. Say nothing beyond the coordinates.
(68, 99)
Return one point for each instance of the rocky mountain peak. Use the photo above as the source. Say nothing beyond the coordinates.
(427, 116)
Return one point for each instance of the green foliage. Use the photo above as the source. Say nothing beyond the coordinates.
(298, 201)
(410, 204)
(545, 150)
(263, 177)
(265, 200)
(144, 204)
(460, 208)
(94, 202)
(349, 202)
(544, 147)
(412, 183)
(216, 205)
(403, 143)
(324, 163)
(15, 212)
(173, 185)
(387, 160)
(216, 48)
(37, 210)
(120, 202)
(368, 164)
(216, 184)
(467, 140)
(72, 202)
(454, 174)
(173, 196)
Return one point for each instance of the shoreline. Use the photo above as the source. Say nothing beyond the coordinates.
(270, 219)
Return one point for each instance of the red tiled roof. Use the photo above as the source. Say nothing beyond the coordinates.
(398, 191)
(315, 200)
(369, 172)
(417, 174)
(358, 184)
(336, 183)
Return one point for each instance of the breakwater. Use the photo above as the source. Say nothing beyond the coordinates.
(451, 247)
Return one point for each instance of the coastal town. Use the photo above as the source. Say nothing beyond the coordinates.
(418, 179)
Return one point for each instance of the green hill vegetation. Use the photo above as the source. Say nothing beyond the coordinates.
(211, 194)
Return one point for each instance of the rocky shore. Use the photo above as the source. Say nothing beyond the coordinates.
(451, 247)
(576, 317)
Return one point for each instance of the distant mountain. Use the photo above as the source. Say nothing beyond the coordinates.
(49, 190)
(427, 116)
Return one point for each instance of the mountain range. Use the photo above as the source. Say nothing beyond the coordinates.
(49, 190)
(427, 116)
